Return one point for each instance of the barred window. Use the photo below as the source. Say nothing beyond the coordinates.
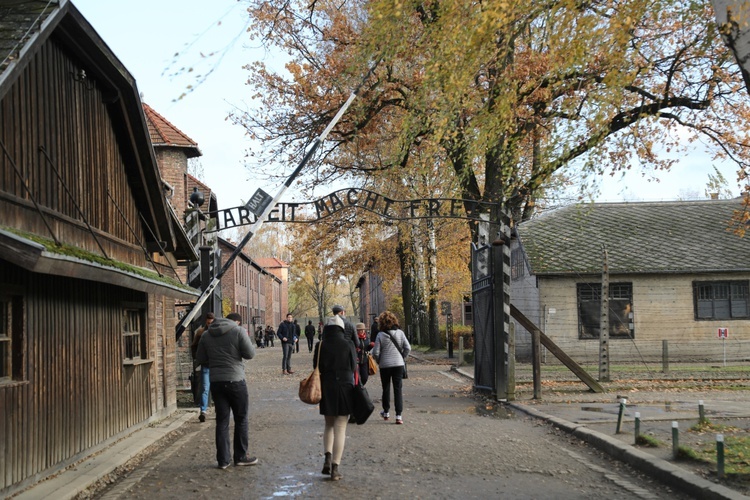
(721, 299)
(620, 310)
(517, 264)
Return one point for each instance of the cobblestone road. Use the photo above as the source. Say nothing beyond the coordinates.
(453, 445)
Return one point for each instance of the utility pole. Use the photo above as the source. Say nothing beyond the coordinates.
(604, 323)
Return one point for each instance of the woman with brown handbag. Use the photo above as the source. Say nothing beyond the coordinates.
(336, 360)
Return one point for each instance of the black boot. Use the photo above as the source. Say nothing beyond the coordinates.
(327, 464)
(335, 474)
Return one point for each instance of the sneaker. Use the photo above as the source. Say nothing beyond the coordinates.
(246, 461)
(223, 466)
(202, 416)
(399, 420)
(290, 372)
(385, 415)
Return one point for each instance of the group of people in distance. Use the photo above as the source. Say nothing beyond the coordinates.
(341, 355)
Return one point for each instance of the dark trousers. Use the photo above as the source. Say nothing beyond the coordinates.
(286, 360)
(310, 342)
(230, 397)
(393, 374)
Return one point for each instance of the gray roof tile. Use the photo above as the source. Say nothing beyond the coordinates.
(664, 237)
(19, 21)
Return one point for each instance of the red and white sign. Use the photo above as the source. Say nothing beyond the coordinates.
(723, 333)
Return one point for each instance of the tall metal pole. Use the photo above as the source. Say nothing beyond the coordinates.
(604, 323)
(261, 205)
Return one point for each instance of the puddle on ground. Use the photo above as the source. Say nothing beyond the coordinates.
(491, 410)
(294, 490)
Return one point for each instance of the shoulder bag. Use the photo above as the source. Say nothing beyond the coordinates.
(401, 352)
(372, 366)
(362, 406)
(309, 388)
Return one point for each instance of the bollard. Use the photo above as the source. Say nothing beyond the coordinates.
(623, 402)
(460, 351)
(637, 426)
(675, 439)
(701, 412)
(720, 455)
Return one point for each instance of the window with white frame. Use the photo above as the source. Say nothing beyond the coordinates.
(722, 299)
(134, 334)
(11, 338)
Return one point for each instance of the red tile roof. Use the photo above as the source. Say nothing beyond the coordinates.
(271, 262)
(163, 133)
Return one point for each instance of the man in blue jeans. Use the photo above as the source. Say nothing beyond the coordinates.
(223, 348)
(287, 332)
(202, 369)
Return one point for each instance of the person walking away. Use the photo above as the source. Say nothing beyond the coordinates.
(374, 331)
(348, 326)
(391, 349)
(297, 335)
(285, 333)
(364, 347)
(310, 335)
(205, 380)
(270, 334)
(336, 359)
(223, 348)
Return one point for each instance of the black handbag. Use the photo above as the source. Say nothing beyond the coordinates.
(362, 406)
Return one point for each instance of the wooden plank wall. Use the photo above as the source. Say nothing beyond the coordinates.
(54, 106)
(77, 393)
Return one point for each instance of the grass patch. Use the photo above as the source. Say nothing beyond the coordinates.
(736, 448)
(687, 453)
(646, 440)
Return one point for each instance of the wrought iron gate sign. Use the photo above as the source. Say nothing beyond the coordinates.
(343, 199)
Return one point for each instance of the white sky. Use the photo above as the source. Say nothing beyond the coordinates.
(145, 35)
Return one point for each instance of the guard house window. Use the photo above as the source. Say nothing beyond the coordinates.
(468, 312)
(590, 310)
(721, 299)
(517, 264)
(11, 339)
(134, 335)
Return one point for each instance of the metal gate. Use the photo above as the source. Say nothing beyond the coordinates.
(482, 297)
(490, 288)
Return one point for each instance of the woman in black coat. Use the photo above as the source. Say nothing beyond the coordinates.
(338, 360)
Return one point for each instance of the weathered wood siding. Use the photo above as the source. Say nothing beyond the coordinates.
(53, 107)
(77, 393)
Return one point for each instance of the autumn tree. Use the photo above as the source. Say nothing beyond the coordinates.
(510, 92)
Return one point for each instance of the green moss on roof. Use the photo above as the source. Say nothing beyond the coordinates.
(78, 253)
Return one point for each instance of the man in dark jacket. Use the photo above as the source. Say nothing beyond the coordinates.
(310, 334)
(287, 335)
(348, 326)
(222, 349)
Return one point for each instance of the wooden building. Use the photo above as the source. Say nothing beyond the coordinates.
(88, 248)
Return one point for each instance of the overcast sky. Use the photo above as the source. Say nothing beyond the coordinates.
(145, 35)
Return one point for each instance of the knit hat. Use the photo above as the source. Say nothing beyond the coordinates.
(335, 320)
